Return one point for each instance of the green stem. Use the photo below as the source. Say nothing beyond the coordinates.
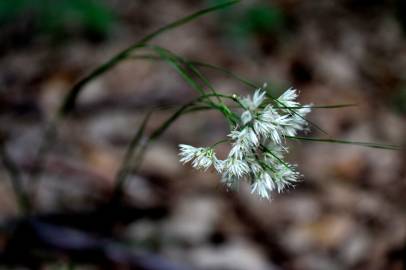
(336, 106)
(366, 144)
(125, 168)
(220, 142)
(266, 149)
(159, 131)
(136, 149)
(201, 64)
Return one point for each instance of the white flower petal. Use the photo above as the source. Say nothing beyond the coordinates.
(246, 117)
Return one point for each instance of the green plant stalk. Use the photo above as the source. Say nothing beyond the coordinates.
(365, 144)
(131, 149)
(201, 64)
(173, 61)
(188, 64)
(266, 149)
(176, 62)
(136, 149)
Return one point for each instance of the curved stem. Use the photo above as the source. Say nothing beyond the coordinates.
(137, 146)
(365, 144)
(220, 142)
(131, 149)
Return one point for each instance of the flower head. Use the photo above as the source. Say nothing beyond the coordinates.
(203, 157)
(257, 144)
(263, 185)
(284, 177)
(243, 141)
(257, 99)
(235, 167)
(287, 99)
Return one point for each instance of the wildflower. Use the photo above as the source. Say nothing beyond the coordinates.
(255, 168)
(218, 165)
(230, 181)
(263, 185)
(251, 105)
(287, 99)
(296, 121)
(257, 144)
(274, 152)
(272, 124)
(261, 188)
(244, 142)
(235, 167)
(257, 99)
(285, 177)
(203, 157)
(188, 152)
(246, 117)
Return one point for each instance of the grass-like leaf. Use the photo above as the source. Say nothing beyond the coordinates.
(70, 100)
(365, 144)
(202, 64)
(187, 108)
(128, 158)
(174, 62)
(335, 106)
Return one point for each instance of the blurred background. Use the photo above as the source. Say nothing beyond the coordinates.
(347, 213)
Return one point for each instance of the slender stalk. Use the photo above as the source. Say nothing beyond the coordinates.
(335, 106)
(266, 149)
(125, 168)
(174, 62)
(190, 66)
(137, 147)
(202, 64)
(220, 142)
(365, 144)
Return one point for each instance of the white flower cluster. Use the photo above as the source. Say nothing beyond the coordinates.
(257, 144)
